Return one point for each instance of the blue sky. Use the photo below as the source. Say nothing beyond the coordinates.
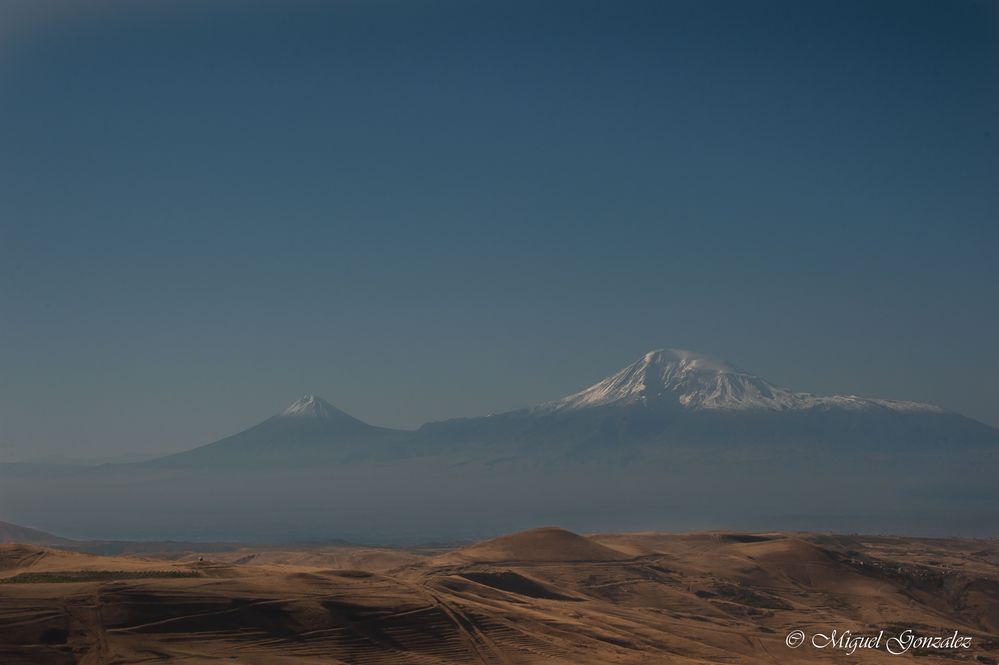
(430, 209)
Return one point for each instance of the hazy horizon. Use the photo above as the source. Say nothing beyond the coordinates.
(428, 210)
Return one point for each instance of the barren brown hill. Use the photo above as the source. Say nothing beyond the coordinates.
(543, 544)
(543, 596)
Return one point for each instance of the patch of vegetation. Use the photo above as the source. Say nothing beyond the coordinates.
(71, 576)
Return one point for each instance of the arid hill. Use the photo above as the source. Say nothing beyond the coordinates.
(549, 544)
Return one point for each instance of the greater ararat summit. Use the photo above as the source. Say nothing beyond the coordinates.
(697, 382)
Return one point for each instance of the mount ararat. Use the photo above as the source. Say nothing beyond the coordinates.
(667, 398)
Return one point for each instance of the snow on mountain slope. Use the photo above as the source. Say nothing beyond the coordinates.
(310, 406)
(696, 382)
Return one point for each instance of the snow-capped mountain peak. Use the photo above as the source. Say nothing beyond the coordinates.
(693, 381)
(311, 406)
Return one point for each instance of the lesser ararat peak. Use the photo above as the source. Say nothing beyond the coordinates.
(312, 406)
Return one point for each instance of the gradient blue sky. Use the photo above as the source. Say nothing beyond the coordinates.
(427, 209)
